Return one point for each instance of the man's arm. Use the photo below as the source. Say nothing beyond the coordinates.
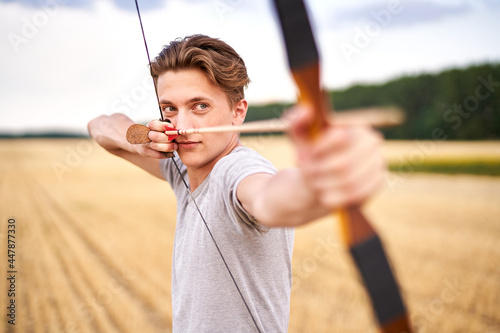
(110, 133)
(344, 166)
(282, 200)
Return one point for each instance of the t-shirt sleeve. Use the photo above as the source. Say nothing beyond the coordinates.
(228, 174)
(166, 169)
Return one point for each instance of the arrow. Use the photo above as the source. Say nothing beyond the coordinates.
(378, 117)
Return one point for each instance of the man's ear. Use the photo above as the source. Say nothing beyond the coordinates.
(240, 112)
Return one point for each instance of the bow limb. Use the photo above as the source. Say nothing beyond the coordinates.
(359, 235)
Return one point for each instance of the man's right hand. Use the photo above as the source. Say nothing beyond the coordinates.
(110, 133)
(159, 140)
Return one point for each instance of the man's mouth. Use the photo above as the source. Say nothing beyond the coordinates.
(188, 144)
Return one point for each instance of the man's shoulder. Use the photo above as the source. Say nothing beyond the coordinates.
(240, 163)
(241, 157)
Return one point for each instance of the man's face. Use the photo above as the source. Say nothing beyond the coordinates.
(189, 100)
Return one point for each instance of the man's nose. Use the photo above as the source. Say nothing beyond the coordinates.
(183, 120)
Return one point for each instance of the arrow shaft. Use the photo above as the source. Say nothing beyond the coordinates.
(369, 117)
(275, 125)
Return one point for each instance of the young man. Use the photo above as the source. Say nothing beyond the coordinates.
(246, 203)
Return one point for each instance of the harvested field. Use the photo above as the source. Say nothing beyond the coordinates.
(94, 237)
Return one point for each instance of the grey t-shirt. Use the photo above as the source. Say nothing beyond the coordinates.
(204, 297)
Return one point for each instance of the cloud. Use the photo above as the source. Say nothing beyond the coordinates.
(63, 65)
(121, 4)
(406, 14)
(47, 3)
(143, 4)
(71, 62)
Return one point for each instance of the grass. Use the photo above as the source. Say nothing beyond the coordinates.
(444, 157)
(484, 166)
(94, 244)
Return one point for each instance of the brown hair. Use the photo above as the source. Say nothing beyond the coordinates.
(219, 61)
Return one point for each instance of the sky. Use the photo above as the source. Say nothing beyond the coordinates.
(64, 62)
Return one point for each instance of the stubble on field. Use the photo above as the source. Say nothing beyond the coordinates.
(95, 238)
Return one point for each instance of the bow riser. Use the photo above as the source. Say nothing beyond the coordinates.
(308, 79)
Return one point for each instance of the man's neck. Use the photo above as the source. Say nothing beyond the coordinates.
(198, 174)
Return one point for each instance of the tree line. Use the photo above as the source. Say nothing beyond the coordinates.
(454, 104)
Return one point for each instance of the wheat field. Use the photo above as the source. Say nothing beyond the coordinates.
(94, 235)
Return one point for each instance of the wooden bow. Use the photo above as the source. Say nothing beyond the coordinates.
(364, 243)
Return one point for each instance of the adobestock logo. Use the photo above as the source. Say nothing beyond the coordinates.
(31, 27)
(132, 99)
(73, 158)
(363, 36)
(454, 116)
(223, 7)
(452, 290)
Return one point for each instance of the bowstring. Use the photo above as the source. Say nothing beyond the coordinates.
(187, 186)
(216, 245)
(149, 59)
